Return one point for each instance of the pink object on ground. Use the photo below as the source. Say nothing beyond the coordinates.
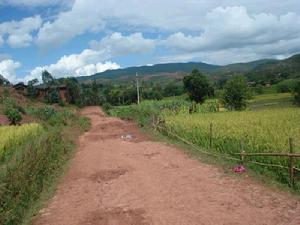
(239, 169)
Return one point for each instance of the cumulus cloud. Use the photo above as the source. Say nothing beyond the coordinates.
(87, 62)
(231, 34)
(19, 32)
(84, 16)
(117, 44)
(8, 69)
(233, 27)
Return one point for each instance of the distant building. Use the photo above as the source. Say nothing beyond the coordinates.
(251, 83)
(21, 88)
(43, 89)
(268, 84)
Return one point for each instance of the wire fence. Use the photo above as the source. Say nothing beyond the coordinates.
(292, 156)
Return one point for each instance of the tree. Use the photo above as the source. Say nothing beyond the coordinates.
(74, 91)
(3, 81)
(297, 94)
(47, 78)
(13, 115)
(31, 90)
(286, 86)
(236, 93)
(173, 89)
(197, 86)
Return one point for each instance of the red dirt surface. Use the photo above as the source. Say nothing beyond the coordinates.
(3, 120)
(117, 181)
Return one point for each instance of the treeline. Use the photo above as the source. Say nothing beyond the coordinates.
(94, 93)
(233, 91)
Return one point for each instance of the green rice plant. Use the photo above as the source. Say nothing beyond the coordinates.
(16, 135)
(260, 131)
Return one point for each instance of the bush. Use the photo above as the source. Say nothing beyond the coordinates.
(236, 93)
(53, 96)
(106, 107)
(12, 110)
(13, 115)
(286, 86)
(44, 113)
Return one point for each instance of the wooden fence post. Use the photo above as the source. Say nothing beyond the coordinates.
(291, 163)
(210, 134)
(242, 152)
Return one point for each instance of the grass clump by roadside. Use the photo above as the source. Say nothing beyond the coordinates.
(30, 171)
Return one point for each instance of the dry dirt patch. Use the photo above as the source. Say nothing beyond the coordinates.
(116, 216)
(106, 175)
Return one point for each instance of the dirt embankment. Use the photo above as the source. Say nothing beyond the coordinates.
(135, 181)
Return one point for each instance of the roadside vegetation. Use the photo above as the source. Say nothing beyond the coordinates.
(33, 154)
(236, 116)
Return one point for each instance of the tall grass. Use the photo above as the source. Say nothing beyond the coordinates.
(144, 112)
(28, 172)
(35, 163)
(13, 136)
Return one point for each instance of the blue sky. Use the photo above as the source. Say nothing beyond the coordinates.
(82, 37)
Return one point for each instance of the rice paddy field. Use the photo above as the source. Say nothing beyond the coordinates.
(265, 127)
(266, 130)
(16, 135)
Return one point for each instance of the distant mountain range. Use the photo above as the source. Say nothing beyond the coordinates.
(259, 69)
(158, 69)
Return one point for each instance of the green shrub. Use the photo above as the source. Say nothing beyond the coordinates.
(13, 115)
(43, 113)
(12, 110)
(106, 107)
(286, 86)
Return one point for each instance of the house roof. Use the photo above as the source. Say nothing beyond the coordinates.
(44, 86)
(19, 85)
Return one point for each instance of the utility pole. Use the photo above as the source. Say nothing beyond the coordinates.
(137, 88)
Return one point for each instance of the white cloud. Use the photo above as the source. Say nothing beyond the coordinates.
(84, 16)
(117, 44)
(231, 34)
(87, 62)
(192, 26)
(1, 41)
(19, 32)
(96, 68)
(35, 3)
(233, 27)
(8, 69)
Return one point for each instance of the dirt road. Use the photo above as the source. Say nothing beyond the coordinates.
(135, 181)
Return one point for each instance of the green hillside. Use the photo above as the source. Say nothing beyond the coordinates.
(264, 70)
(163, 69)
